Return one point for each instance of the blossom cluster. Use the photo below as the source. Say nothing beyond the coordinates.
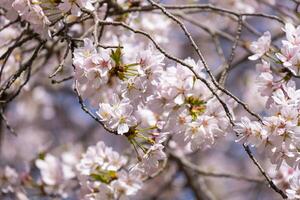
(10, 182)
(45, 15)
(30, 11)
(287, 179)
(138, 94)
(56, 176)
(278, 133)
(56, 173)
(103, 175)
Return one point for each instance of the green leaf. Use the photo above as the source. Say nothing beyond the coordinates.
(116, 56)
(104, 176)
(42, 155)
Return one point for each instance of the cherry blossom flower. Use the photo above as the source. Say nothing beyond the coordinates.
(100, 156)
(294, 191)
(9, 178)
(120, 115)
(292, 33)
(261, 46)
(74, 6)
(288, 54)
(53, 171)
(150, 161)
(201, 132)
(100, 169)
(34, 14)
(128, 183)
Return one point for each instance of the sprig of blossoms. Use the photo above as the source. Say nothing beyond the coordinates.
(138, 95)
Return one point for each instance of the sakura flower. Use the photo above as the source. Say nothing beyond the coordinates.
(105, 112)
(95, 78)
(100, 156)
(128, 183)
(251, 132)
(179, 120)
(288, 54)
(147, 23)
(282, 176)
(53, 171)
(149, 58)
(83, 53)
(292, 33)
(200, 133)
(101, 174)
(9, 179)
(295, 62)
(121, 115)
(280, 98)
(261, 46)
(135, 88)
(105, 192)
(74, 6)
(34, 14)
(176, 84)
(294, 191)
(281, 155)
(150, 161)
(214, 110)
(102, 62)
(263, 67)
(265, 84)
(197, 66)
(145, 117)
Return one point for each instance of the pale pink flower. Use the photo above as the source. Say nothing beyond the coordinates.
(261, 46)
(74, 6)
(53, 171)
(250, 132)
(128, 183)
(292, 33)
(265, 84)
(100, 157)
(288, 54)
(294, 191)
(150, 161)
